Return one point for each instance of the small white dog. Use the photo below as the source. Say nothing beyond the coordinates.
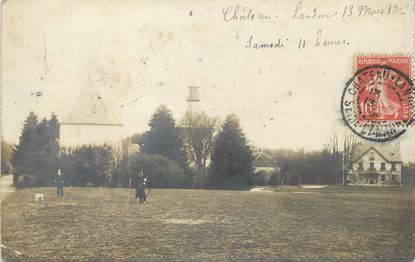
(38, 198)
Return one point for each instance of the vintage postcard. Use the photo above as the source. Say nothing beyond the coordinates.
(193, 130)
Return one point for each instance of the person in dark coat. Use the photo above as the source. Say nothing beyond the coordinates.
(59, 184)
(140, 187)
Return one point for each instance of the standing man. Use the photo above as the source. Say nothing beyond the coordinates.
(140, 187)
(59, 184)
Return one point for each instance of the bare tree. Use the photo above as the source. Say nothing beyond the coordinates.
(117, 152)
(335, 157)
(341, 156)
(199, 131)
(349, 151)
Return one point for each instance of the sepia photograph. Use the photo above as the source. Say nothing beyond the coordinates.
(190, 130)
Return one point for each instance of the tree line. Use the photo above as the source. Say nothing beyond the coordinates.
(196, 152)
(330, 165)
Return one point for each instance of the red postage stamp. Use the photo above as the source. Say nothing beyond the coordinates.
(384, 93)
(378, 101)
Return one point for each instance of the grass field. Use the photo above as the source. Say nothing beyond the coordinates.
(289, 224)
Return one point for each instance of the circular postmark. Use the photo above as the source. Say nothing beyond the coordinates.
(378, 103)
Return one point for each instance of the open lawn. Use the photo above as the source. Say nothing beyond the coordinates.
(289, 224)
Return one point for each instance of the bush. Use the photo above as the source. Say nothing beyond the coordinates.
(119, 177)
(88, 165)
(263, 177)
(275, 179)
(200, 180)
(160, 171)
(291, 177)
(25, 180)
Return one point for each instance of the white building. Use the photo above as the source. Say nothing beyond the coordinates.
(376, 165)
(266, 167)
(73, 134)
(86, 125)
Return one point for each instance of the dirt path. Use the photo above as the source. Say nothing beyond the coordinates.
(260, 189)
(6, 187)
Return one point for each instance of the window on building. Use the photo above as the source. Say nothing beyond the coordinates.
(360, 166)
(393, 178)
(382, 166)
(372, 155)
(393, 168)
(372, 166)
(382, 178)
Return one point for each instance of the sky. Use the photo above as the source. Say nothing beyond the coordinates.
(117, 61)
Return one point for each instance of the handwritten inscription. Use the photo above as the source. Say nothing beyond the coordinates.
(303, 11)
(239, 13)
(369, 11)
(252, 44)
(315, 13)
(321, 41)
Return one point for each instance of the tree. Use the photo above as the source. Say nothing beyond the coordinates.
(349, 150)
(23, 156)
(36, 155)
(333, 158)
(122, 156)
(6, 156)
(198, 133)
(47, 150)
(341, 155)
(231, 161)
(300, 167)
(164, 137)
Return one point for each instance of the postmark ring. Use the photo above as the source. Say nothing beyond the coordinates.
(377, 103)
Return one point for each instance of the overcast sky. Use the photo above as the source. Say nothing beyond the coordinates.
(117, 61)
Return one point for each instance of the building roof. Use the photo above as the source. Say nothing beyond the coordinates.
(391, 153)
(262, 159)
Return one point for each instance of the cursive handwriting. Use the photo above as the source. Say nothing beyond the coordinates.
(238, 13)
(248, 14)
(278, 43)
(315, 13)
(321, 41)
(325, 42)
(301, 12)
(370, 11)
